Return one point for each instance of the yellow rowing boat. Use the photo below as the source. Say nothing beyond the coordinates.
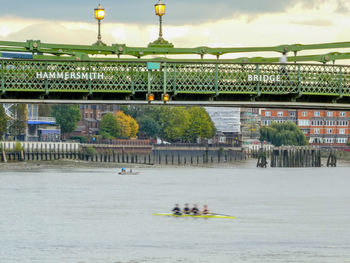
(197, 216)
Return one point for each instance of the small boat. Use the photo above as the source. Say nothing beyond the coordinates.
(196, 216)
(128, 173)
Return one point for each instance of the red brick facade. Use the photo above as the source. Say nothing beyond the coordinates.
(91, 116)
(321, 127)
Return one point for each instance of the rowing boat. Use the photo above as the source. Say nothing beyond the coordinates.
(128, 173)
(196, 216)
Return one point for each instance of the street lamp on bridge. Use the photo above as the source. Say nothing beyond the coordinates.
(160, 42)
(99, 15)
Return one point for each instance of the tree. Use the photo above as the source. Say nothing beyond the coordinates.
(109, 127)
(45, 110)
(3, 122)
(67, 116)
(134, 127)
(174, 123)
(201, 125)
(18, 122)
(286, 133)
(128, 125)
(149, 127)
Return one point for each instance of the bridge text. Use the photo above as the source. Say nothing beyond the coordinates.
(69, 75)
(264, 78)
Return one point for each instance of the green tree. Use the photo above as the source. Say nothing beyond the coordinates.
(89, 151)
(286, 133)
(174, 123)
(109, 127)
(67, 116)
(3, 122)
(18, 121)
(201, 125)
(148, 127)
(45, 110)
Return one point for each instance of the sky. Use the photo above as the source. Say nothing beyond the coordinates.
(220, 23)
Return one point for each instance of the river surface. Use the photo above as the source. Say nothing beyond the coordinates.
(94, 215)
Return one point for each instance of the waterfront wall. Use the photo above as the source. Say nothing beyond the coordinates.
(43, 146)
(197, 155)
(138, 154)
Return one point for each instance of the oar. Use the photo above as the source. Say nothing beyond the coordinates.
(216, 214)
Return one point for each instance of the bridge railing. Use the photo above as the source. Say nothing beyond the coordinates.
(207, 78)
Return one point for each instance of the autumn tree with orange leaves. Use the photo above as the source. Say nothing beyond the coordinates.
(128, 125)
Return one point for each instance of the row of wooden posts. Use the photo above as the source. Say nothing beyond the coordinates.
(294, 157)
(155, 158)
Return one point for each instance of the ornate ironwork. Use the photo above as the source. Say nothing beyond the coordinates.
(183, 81)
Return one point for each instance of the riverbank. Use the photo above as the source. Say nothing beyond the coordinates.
(78, 164)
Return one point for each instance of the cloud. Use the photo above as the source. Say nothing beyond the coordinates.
(53, 33)
(297, 24)
(141, 11)
(314, 22)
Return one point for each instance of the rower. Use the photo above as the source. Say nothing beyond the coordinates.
(177, 210)
(123, 171)
(186, 210)
(205, 210)
(195, 210)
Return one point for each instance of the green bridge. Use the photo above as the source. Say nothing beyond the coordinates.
(35, 72)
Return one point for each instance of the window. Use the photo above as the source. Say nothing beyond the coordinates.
(329, 123)
(304, 122)
(316, 123)
(317, 114)
(330, 113)
(329, 131)
(304, 114)
(280, 114)
(91, 115)
(329, 140)
(341, 131)
(86, 115)
(341, 140)
(292, 113)
(316, 131)
(267, 113)
(342, 114)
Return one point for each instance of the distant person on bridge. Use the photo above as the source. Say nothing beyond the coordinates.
(283, 60)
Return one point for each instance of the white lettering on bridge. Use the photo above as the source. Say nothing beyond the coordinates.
(69, 75)
(264, 78)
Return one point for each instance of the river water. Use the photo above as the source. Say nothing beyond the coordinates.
(94, 215)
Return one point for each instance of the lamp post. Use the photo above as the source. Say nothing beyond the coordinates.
(160, 11)
(160, 42)
(99, 15)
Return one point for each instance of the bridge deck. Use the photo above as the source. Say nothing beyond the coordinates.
(206, 81)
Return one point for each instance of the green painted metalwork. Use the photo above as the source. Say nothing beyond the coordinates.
(84, 52)
(223, 81)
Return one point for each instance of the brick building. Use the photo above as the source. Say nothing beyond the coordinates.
(321, 127)
(91, 116)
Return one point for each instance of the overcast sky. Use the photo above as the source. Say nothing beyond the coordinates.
(220, 23)
(142, 11)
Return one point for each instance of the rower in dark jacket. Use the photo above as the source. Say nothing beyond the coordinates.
(177, 210)
(186, 210)
(195, 210)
